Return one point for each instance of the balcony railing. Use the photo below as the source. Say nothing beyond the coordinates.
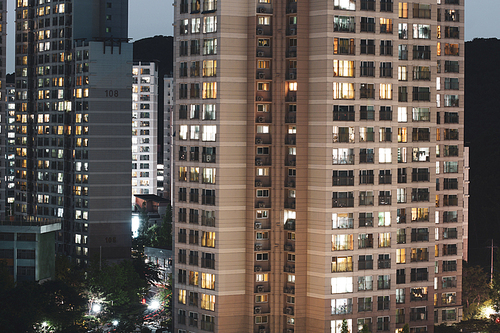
(365, 264)
(384, 263)
(208, 221)
(342, 202)
(384, 199)
(343, 181)
(207, 263)
(208, 200)
(346, 159)
(366, 221)
(385, 179)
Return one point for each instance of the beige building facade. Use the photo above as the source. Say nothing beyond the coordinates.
(318, 161)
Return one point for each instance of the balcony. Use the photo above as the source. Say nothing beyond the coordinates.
(289, 224)
(384, 200)
(385, 115)
(420, 176)
(181, 238)
(208, 221)
(262, 161)
(384, 263)
(182, 196)
(401, 178)
(401, 239)
(342, 202)
(345, 159)
(385, 179)
(290, 247)
(208, 200)
(208, 158)
(419, 256)
(365, 179)
(418, 315)
(343, 181)
(365, 306)
(207, 263)
(365, 264)
(420, 236)
(193, 197)
(366, 221)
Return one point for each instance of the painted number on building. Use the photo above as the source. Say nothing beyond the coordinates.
(110, 239)
(111, 93)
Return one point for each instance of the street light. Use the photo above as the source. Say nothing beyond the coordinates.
(96, 308)
(154, 305)
(115, 322)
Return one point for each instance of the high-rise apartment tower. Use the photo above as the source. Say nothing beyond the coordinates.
(73, 123)
(144, 129)
(318, 165)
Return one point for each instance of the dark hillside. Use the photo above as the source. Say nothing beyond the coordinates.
(482, 119)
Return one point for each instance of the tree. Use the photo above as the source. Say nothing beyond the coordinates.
(165, 298)
(406, 328)
(365, 329)
(119, 289)
(345, 328)
(476, 290)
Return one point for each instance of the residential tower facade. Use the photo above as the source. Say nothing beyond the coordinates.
(73, 123)
(318, 163)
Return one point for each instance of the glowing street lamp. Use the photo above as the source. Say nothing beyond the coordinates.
(154, 305)
(96, 308)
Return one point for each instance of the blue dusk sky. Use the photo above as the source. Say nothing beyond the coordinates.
(148, 18)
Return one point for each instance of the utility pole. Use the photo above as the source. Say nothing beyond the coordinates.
(492, 247)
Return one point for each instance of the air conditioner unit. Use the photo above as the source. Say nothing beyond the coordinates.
(292, 205)
(291, 184)
(288, 247)
(293, 31)
(262, 330)
(208, 158)
(260, 53)
(262, 10)
(258, 141)
(289, 310)
(293, 98)
(258, 225)
(290, 330)
(260, 289)
(292, 10)
(258, 268)
(257, 309)
(292, 162)
(258, 161)
(260, 31)
(291, 76)
(292, 269)
(262, 76)
(262, 205)
(258, 247)
(260, 98)
(258, 183)
(261, 119)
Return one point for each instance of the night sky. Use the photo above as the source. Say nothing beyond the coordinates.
(148, 18)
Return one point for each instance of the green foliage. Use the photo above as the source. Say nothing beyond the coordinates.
(406, 328)
(443, 328)
(165, 298)
(365, 329)
(345, 328)
(30, 303)
(476, 290)
(119, 288)
(154, 235)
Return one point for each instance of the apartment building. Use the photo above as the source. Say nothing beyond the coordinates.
(73, 121)
(318, 161)
(144, 128)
